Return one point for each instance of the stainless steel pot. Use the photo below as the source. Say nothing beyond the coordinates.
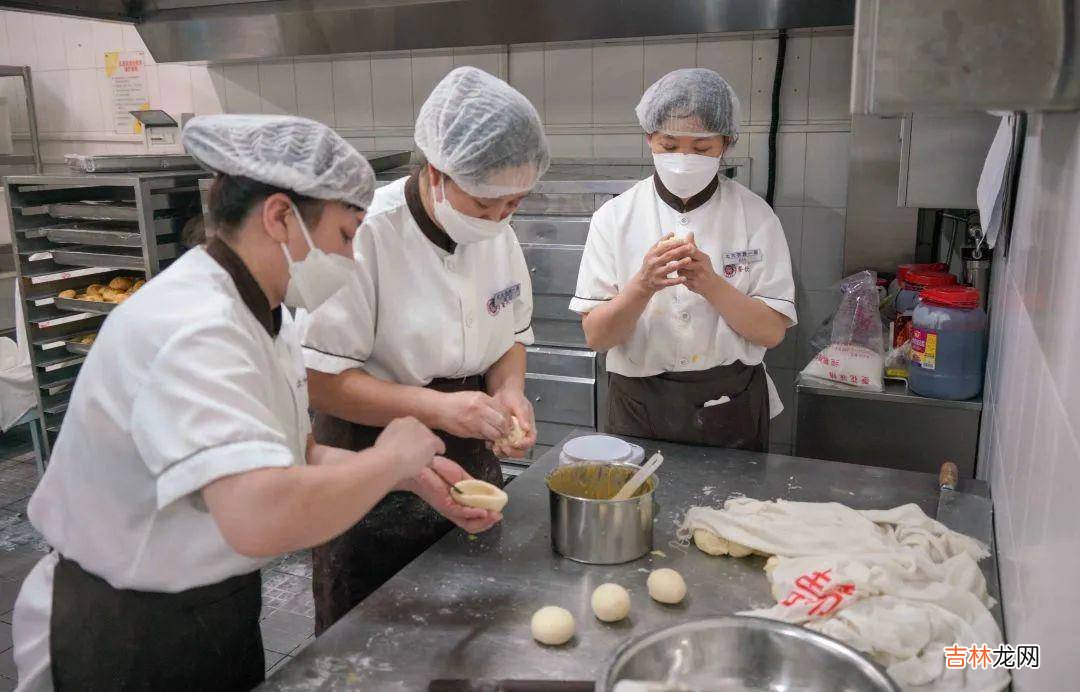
(740, 653)
(598, 531)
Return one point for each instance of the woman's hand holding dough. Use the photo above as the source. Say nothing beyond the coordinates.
(522, 433)
(669, 255)
(433, 484)
(700, 274)
(473, 414)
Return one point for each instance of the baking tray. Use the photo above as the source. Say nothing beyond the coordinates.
(89, 256)
(103, 211)
(90, 306)
(94, 233)
(81, 349)
(130, 163)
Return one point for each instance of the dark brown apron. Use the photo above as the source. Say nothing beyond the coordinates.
(104, 638)
(398, 529)
(671, 407)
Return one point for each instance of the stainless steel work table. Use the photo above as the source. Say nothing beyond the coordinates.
(462, 609)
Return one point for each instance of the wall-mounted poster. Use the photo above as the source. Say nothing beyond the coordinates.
(126, 73)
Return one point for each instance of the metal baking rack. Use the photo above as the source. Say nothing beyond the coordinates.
(75, 229)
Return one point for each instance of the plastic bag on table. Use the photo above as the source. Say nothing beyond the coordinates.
(850, 348)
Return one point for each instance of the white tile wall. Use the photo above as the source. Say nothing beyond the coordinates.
(1030, 442)
(617, 77)
(827, 169)
(392, 92)
(793, 91)
(242, 89)
(618, 146)
(830, 77)
(733, 58)
(208, 90)
(428, 68)
(663, 56)
(490, 59)
(49, 38)
(352, 92)
(822, 258)
(315, 90)
(277, 88)
(568, 84)
(527, 73)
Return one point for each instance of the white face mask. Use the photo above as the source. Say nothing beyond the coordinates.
(317, 277)
(686, 174)
(464, 229)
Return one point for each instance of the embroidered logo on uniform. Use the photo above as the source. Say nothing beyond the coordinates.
(503, 298)
(729, 270)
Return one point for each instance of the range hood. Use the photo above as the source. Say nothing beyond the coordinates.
(221, 30)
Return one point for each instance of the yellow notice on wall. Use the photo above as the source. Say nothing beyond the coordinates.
(126, 72)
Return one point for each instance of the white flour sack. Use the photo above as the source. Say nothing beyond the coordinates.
(848, 364)
(850, 346)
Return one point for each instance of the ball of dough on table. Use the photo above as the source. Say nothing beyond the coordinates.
(666, 586)
(552, 625)
(120, 283)
(610, 602)
(711, 544)
(477, 493)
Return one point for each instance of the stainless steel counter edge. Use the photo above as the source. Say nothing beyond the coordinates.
(895, 392)
(462, 609)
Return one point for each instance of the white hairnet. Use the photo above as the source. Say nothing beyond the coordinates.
(692, 102)
(483, 133)
(284, 151)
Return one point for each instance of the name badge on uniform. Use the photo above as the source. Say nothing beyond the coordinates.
(501, 299)
(740, 261)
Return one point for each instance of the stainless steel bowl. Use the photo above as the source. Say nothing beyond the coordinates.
(599, 531)
(744, 654)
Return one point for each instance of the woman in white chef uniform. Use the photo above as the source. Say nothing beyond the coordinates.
(185, 463)
(686, 280)
(436, 327)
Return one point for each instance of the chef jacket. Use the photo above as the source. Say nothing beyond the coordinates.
(679, 329)
(422, 307)
(192, 379)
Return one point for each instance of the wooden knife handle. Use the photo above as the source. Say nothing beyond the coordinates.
(948, 476)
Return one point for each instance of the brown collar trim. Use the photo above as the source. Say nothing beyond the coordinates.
(436, 235)
(691, 204)
(249, 289)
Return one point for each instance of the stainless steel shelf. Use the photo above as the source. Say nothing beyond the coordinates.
(100, 234)
(72, 305)
(86, 257)
(75, 347)
(104, 211)
(895, 392)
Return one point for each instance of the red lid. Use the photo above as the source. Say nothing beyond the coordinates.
(904, 269)
(918, 280)
(964, 297)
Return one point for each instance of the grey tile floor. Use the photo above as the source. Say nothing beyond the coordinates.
(288, 613)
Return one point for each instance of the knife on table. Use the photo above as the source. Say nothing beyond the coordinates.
(972, 515)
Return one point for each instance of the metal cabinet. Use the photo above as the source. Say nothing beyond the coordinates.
(561, 383)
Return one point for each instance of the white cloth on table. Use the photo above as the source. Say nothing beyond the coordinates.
(893, 583)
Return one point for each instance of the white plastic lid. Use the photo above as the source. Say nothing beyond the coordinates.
(598, 448)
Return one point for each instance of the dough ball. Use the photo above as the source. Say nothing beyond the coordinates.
(738, 549)
(610, 602)
(94, 298)
(121, 297)
(709, 543)
(120, 283)
(137, 285)
(516, 435)
(476, 493)
(109, 294)
(94, 289)
(552, 625)
(70, 293)
(666, 586)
